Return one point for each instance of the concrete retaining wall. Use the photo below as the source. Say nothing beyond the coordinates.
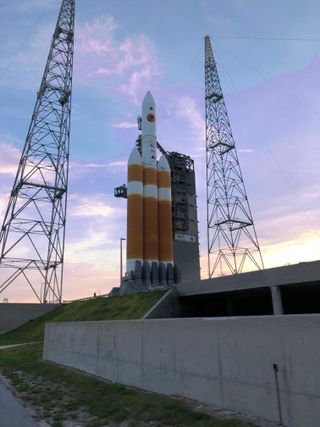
(168, 306)
(228, 362)
(14, 315)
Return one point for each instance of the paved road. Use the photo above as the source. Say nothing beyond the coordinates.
(12, 413)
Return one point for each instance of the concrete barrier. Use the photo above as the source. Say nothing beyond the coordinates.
(168, 306)
(267, 367)
(13, 315)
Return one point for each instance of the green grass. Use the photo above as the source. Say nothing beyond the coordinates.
(133, 306)
(60, 394)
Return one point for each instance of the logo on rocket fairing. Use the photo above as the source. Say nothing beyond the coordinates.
(151, 118)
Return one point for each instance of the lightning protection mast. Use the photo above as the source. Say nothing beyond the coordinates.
(232, 239)
(33, 231)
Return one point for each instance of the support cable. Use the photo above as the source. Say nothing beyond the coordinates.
(272, 155)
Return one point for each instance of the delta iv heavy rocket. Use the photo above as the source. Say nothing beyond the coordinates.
(149, 214)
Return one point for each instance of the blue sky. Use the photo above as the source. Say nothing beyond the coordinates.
(123, 49)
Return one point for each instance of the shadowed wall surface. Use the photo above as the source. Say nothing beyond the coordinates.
(263, 366)
(13, 315)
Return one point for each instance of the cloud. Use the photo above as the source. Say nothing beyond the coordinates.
(125, 66)
(80, 165)
(99, 172)
(116, 165)
(122, 67)
(304, 247)
(83, 279)
(90, 206)
(94, 224)
(95, 37)
(139, 80)
(9, 158)
(246, 150)
(187, 108)
(92, 244)
(124, 125)
(23, 65)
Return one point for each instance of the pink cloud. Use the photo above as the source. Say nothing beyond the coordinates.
(188, 109)
(101, 59)
(9, 158)
(124, 125)
(96, 37)
(90, 206)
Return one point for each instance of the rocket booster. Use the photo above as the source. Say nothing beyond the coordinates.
(164, 212)
(149, 217)
(134, 210)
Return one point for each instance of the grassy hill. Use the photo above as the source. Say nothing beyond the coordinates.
(133, 306)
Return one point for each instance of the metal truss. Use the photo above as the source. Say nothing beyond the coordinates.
(232, 238)
(33, 231)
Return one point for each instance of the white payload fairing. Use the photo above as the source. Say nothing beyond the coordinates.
(149, 214)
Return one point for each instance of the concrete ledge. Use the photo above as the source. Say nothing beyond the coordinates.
(234, 363)
(304, 272)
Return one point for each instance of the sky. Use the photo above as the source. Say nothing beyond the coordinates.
(268, 58)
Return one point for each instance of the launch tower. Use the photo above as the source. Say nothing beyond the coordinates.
(232, 238)
(33, 231)
(184, 215)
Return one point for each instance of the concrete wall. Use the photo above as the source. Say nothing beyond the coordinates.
(304, 272)
(227, 362)
(168, 306)
(14, 315)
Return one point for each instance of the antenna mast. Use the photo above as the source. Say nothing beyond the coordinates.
(33, 231)
(232, 238)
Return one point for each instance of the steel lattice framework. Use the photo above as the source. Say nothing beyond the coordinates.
(232, 239)
(33, 231)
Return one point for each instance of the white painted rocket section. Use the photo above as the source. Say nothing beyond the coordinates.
(135, 157)
(135, 187)
(164, 194)
(149, 133)
(163, 165)
(150, 191)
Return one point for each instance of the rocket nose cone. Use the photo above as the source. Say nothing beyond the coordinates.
(148, 114)
(163, 165)
(135, 157)
(148, 101)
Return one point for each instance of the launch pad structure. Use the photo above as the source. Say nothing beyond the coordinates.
(184, 215)
(36, 213)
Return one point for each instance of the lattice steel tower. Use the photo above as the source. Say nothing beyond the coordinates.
(232, 239)
(33, 232)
